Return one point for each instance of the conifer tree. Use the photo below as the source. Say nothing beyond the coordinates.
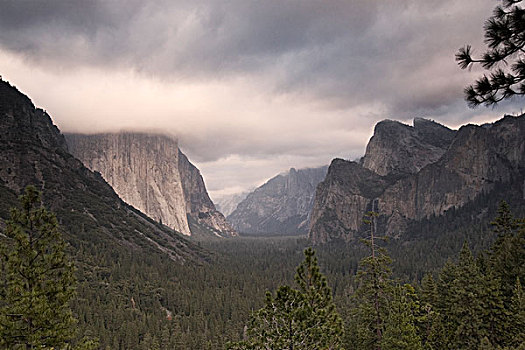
(298, 319)
(516, 333)
(373, 293)
(400, 326)
(465, 313)
(504, 58)
(321, 317)
(493, 308)
(430, 320)
(476, 309)
(507, 254)
(485, 344)
(37, 279)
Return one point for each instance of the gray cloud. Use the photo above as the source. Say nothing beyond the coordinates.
(311, 77)
(343, 52)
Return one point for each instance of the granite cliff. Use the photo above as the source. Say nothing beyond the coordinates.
(397, 148)
(150, 172)
(34, 152)
(280, 206)
(410, 178)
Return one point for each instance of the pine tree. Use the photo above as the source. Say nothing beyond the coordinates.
(298, 319)
(516, 335)
(466, 307)
(505, 57)
(493, 309)
(400, 326)
(430, 322)
(507, 254)
(38, 280)
(278, 324)
(462, 301)
(321, 317)
(372, 295)
(485, 344)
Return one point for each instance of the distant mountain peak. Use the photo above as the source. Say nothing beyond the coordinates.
(281, 205)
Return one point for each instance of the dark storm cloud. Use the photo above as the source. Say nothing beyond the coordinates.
(343, 53)
(255, 85)
(188, 38)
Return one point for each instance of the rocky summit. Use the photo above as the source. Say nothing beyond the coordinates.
(280, 206)
(397, 148)
(409, 174)
(150, 172)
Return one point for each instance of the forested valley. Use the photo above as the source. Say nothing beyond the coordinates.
(435, 292)
(418, 244)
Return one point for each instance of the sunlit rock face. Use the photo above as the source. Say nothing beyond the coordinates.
(152, 174)
(281, 206)
(413, 173)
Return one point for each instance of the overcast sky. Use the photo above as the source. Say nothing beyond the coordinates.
(250, 87)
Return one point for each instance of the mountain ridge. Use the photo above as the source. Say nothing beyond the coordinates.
(34, 152)
(475, 160)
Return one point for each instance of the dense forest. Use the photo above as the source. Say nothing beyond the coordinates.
(434, 291)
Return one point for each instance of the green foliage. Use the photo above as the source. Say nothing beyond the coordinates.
(37, 279)
(469, 307)
(476, 304)
(464, 304)
(373, 294)
(430, 321)
(320, 315)
(507, 254)
(516, 335)
(297, 319)
(210, 302)
(505, 58)
(400, 327)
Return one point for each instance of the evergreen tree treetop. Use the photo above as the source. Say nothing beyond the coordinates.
(505, 57)
(299, 319)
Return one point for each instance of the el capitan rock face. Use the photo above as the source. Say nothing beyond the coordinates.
(475, 160)
(151, 173)
(34, 152)
(198, 204)
(280, 206)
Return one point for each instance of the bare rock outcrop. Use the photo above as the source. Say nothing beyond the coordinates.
(34, 152)
(150, 172)
(402, 149)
